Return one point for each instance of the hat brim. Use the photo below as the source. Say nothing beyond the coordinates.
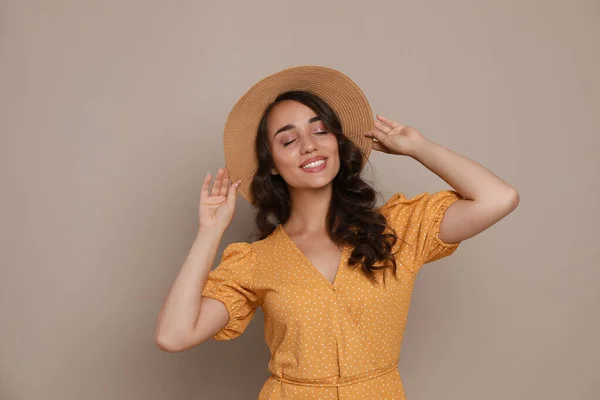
(338, 90)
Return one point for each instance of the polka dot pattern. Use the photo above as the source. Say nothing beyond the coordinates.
(337, 340)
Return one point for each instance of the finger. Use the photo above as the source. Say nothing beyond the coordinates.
(205, 185)
(382, 127)
(379, 147)
(217, 184)
(376, 133)
(225, 183)
(224, 188)
(388, 121)
(381, 135)
(232, 194)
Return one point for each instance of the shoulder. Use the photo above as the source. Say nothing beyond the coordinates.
(248, 253)
(238, 249)
(409, 213)
(399, 200)
(425, 199)
(239, 255)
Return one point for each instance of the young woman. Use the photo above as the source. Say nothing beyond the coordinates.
(332, 272)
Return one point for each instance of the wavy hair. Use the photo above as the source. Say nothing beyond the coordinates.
(351, 218)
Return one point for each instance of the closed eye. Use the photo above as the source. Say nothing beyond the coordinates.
(316, 133)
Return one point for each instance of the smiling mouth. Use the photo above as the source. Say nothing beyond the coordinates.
(315, 165)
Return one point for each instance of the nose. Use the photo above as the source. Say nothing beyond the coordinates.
(308, 144)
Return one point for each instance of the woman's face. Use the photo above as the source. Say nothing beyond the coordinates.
(296, 135)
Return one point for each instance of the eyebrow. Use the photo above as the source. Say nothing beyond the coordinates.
(290, 126)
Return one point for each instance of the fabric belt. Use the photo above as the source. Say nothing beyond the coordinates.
(335, 381)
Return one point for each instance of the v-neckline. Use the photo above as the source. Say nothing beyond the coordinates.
(310, 264)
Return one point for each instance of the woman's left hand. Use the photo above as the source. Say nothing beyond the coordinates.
(394, 138)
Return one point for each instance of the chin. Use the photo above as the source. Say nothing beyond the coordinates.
(318, 183)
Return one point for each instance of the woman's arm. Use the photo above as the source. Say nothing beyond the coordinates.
(488, 198)
(187, 319)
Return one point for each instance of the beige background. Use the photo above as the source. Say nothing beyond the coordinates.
(111, 113)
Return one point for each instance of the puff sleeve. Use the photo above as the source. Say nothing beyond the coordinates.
(417, 223)
(231, 283)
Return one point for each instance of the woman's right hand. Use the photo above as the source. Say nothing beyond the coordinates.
(217, 207)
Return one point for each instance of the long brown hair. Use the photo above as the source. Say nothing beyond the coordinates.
(352, 217)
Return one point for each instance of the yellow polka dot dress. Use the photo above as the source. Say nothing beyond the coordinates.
(337, 340)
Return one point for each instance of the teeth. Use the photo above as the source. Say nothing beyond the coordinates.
(313, 164)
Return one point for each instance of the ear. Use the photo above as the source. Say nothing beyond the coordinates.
(274, 171)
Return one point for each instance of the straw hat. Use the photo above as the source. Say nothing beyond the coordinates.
(335, 88)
